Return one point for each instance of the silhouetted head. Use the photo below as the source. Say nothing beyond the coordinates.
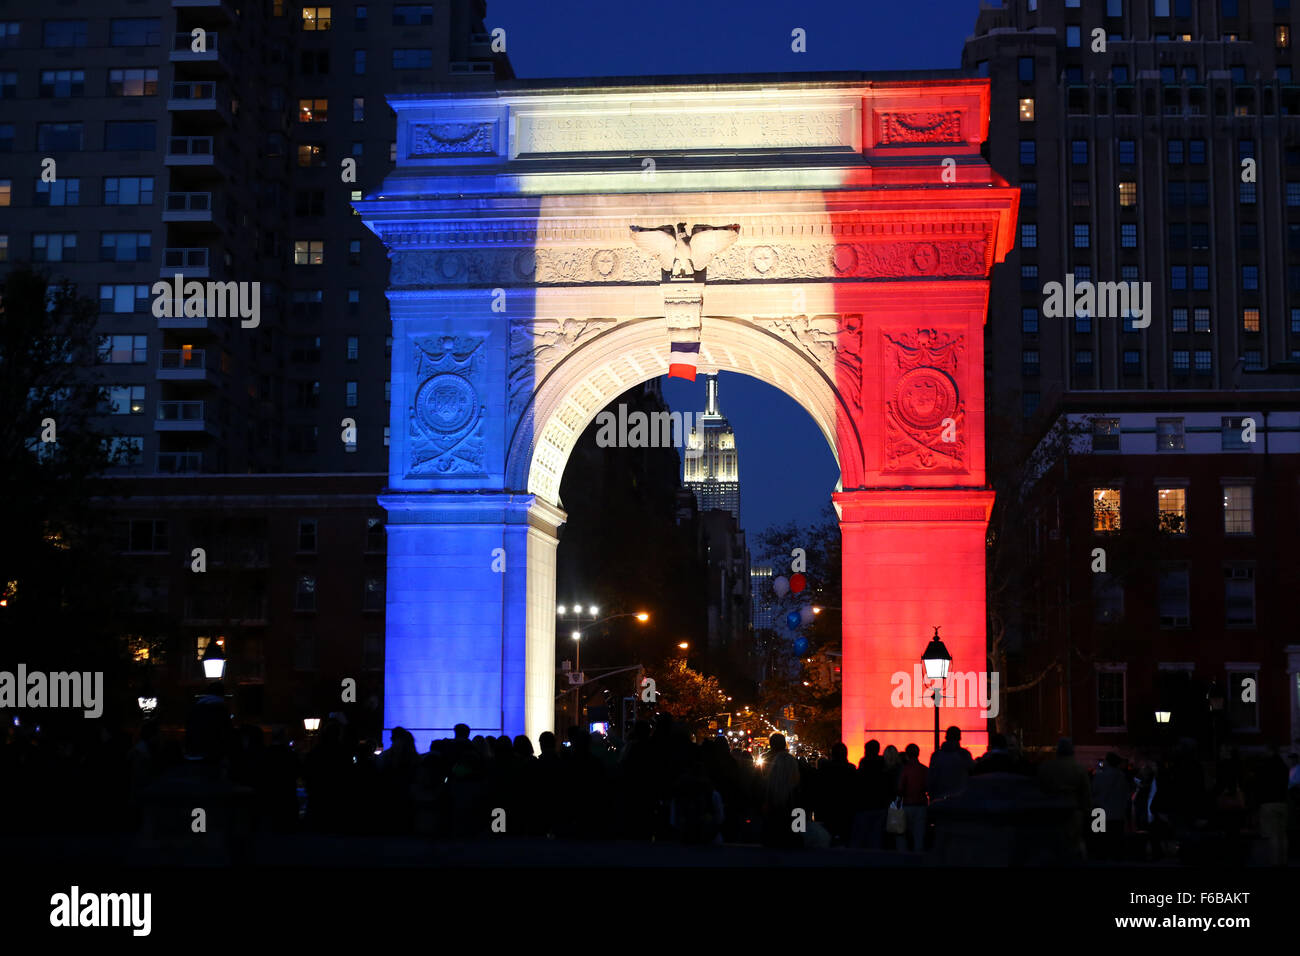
(461, 731)
(523, 746)
(546, 742)
(873, 748)
(913, 752)
(952, 734)
(839, 753)
(777, 742)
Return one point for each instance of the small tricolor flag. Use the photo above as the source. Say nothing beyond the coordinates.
(683, 359)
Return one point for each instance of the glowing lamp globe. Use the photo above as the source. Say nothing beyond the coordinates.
(936, 659)
(214, 662)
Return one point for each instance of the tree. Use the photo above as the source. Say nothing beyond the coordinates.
(691, 697)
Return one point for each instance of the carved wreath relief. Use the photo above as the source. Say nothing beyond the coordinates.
(922, 401)
(446, 416)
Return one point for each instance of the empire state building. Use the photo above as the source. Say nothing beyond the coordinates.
(712, 469)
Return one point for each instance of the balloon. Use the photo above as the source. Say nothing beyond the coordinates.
(798, 582)
(806, 614)
(781, 586)
(792, 620)
(801, 646)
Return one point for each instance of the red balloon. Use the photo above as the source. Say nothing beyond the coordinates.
(797, 583)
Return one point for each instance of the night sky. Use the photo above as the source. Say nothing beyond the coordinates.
(786, 468)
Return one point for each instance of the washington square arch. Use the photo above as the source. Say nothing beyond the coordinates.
(523, 301)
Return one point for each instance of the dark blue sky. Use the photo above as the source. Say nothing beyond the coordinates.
(786, 468)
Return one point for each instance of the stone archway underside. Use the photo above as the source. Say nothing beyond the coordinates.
(521, 306)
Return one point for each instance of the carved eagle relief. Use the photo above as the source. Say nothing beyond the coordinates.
(681, 253)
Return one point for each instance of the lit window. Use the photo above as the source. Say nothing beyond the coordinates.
(1105, 509)
(309, 252)
(1250, 320)
(1171, 505)
(313, 111)
(1027, 109)
(351, 400)
(1283, 34)
(315, 18)
(1128, 193)
(1238, 509)
(1201, 318)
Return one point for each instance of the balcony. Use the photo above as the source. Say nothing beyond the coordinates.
(182, 417)
(180, 462)
(188, 207)
(183, 51)
(202, 96)
(182, 365)
(190, 262)
(221, 6)
(189, 151)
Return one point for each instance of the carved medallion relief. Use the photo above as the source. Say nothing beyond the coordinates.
(446, 413)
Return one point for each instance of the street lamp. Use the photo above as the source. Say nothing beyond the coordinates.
(936, 661)
(214, 662)
(311, 724)
(576, 634)
(147, 705)
(1162, 716)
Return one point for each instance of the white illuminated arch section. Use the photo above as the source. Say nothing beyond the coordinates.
(632, 352)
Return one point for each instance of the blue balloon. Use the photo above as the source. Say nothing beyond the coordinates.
(792, 620)
(801, 645)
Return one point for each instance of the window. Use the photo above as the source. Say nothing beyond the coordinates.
(313, 111)
(1179, 320)
(9, 34)
(412, 14)
(123, 349)
(124, 400)
(309, 252)
(359, 62)
(1242, 714)
(59, 84)
(1173, 596)
(1182, 360)
(6, 137)
(308, 304)
(350, 399)
(1171, 510)
(54, 246)
(1071, 36)
(353, 348)
(1105, 510)
(1200, 278)
(307, 535)
(1228, 8)
(311, 154)
(1029, 403)
(125, 246)
(361, 19)
(1132, 362)
(1083, 361)
(414, 58)
(131, 135)
(128, 190)
(1128, 193)
(1238, 509)
(358, 109)
(372, 597)
(1282, 34)
(1169, 434)
(1197, 194)
(1029, 320)
(1029, 235)
(357, 147)
(305, 349)
(1178, 278)
(1107, 599)
(1083, 323)
(60, 33)
(1029, 362)
(1250, 278)
(309, 202)
(1200, 235)
(374, 535)
(1202, 360)
(59, 137)
(1201, 320)
(1024, 65)
(1246, 194)
(1029, 278)
(1250, 320)
(1028, 152)
(1238, 595)
(142, 535)
(315, 18)
(305, 596)
(1293, 194)
(354, 252)
(1176, 194)
(1254, 360)
(388, 392)
(1105, 434)
(6, 191)
(314, 62)
(1128, 235)
(1079, 152)
(1295, 321)
(133, 82)
(1196, 150)
(1027, 109)
(1174, 152)
(1178, 235)
(123, 299)
(1082, 235)
(1110, 692)
(1080, 194)
(137, 31)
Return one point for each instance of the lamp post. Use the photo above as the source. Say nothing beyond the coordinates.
(560, 611)
(214, 661)
(936, 661)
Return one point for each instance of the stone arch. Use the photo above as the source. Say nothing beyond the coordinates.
(635, 351)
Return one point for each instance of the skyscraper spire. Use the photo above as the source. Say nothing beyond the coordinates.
(714, 475)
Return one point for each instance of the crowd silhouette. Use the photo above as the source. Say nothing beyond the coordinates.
(659, 784)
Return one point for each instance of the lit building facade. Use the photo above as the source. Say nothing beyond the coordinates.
(712, 463)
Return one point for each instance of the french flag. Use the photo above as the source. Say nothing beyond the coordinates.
(683, 359)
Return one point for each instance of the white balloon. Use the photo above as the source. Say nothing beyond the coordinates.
(781, 586)
(806, 614)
